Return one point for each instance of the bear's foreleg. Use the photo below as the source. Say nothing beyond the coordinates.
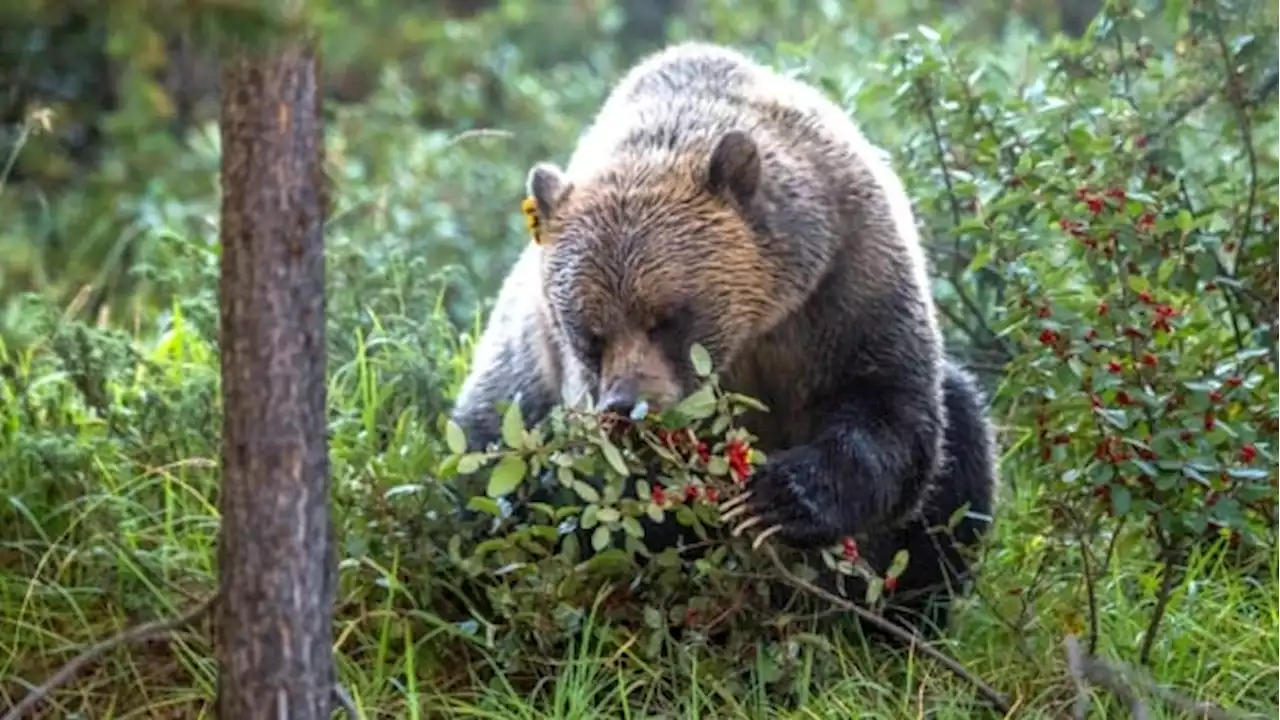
(863, 474)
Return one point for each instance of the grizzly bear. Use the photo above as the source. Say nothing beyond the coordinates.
(715, 201)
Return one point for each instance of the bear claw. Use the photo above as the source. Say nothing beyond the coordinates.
(736, 501)
(771, 530)
(742, 526)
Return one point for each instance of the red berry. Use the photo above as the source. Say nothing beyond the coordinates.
(1209, 420)
(691, 492)
(1248, 453)
(1102, 308)
(1095, 204)
(1116, 193)
(1149, 360)
(1115, 368)
(891, 583)
(850, 549)
(1122, 398)
(1048, 337)
(659, 496)
(1146, 297)
(1215, 396)
(1043, 312)
(1234, 381)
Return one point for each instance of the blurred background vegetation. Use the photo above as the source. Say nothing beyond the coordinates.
(471, 90)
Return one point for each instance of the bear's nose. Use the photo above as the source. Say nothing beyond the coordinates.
(620, 398)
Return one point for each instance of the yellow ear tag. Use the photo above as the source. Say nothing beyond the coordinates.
(531, 220)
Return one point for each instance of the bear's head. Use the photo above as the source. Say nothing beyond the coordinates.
(648, 255)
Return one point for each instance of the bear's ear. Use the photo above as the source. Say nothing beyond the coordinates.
(547, 185)
(734, 168)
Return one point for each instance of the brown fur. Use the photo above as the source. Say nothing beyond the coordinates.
(716, 201)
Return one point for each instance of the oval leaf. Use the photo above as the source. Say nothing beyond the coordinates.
(600, 538)
(455, 438)
(701, 360)
(513, 426)
(614, 457)
(701, 404)
(586, 492)
(506, 476)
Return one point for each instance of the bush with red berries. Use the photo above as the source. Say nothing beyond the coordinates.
(670, 466)
(1105, 240)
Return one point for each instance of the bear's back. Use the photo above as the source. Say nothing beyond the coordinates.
(672, 107)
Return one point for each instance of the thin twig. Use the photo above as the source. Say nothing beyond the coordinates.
(1125, 682)
(1167, 585)
(909, 637)
(138, 633)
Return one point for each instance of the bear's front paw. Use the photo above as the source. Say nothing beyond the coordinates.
(788, 498)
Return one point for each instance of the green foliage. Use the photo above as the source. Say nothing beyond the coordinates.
(1100, 214)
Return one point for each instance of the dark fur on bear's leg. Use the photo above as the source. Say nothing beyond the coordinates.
(939, 565)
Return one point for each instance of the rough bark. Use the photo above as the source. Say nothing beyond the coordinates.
(276, 564)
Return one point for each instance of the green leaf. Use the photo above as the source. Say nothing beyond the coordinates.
(1120, 500)
(957, 516)
(1115, 418)
(600, 538)
(899, 563)
(608, 515)
(507, 476)
(655, 513)
(701, 360)
(875, 586)
(470, 463)
(613, 456)
(569, 548)
(513, 426)
(590, 517)
(632, 527)
(484, 505)
(653, 618)
(455, 438)
(586, 491)
(701, 404)
(1206, 266)
(1184, 221)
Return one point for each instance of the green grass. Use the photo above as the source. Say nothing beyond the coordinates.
(111, 519)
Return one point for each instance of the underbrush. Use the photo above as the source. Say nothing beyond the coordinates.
(127, 428)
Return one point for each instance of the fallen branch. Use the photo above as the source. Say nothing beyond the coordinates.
(136, 634)
(1125, 682)
(914, 641)
(130, 636)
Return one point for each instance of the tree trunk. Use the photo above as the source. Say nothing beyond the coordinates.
(276, 563)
